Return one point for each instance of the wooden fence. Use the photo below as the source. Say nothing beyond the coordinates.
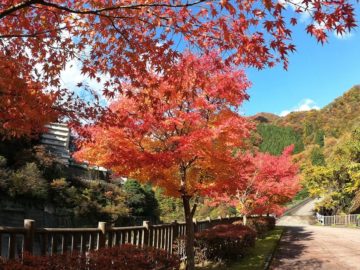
(47, 241)
(343, 220)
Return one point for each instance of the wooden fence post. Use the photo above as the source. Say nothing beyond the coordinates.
(228, 219)
(195, 225)
(147, 234)
(175, 235)
(208, 219)
(175, 229)
(102, 226)
(29, 226)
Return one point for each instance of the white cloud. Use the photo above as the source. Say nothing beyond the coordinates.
(71, 76)
(305, 105)
(295, 4)
(305, 16)
(344, 36)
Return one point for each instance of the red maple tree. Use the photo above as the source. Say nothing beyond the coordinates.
(262, 184)
(179, 135)
(119, 42)
(24, 108)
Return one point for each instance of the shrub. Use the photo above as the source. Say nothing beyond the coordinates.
(222, 242)
(99, 201)
(126, 257)
(62, 193)
(260, 224)
(2, 162)
(271, 221)
(4, 175)
(28, 181)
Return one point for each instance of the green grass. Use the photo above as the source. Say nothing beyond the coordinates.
(257, 256)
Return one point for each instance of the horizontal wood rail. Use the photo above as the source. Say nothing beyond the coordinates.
(48, 241)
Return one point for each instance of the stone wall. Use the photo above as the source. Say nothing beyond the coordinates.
(13, 213)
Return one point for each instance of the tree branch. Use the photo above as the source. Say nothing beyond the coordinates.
(17, 7)
(193, 209)
(35, 34)
(26, 4)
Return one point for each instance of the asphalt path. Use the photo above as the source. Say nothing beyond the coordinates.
(305, 246)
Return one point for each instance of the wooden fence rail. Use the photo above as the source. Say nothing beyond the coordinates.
(47, 241)
(343, 220)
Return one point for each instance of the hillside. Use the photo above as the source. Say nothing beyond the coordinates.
(340, 115)
(327, 148)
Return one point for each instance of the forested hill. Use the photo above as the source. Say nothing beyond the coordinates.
(327, 147)
(340, 115)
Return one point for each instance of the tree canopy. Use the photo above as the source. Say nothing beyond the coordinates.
(120, 42)
(337, 181)
(180, 136)
(263, 186)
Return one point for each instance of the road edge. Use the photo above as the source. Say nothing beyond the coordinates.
(270, 258)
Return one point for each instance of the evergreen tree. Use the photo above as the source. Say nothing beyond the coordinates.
(275, 139)
(140, 199)
(320, 138)
(317, 157)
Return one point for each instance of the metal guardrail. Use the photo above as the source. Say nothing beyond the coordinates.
(341, 220)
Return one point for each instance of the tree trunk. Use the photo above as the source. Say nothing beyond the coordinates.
(244, 219)
(190, 235)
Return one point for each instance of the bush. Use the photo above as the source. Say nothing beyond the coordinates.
(28, 181)
(2, 162)
(260, 224)
(4, 175)
(97, 201)
(222, 242)
(126, 257)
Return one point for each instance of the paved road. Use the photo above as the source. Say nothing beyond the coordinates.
(304, 246)
(299, 216)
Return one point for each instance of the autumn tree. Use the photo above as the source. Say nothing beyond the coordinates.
(24, 108)
(262, 184)
(118, 42)
(179, 135)
(337, 181)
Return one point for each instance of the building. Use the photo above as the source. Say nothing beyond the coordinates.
(57, 141)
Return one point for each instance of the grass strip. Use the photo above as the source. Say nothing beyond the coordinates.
(258, 255)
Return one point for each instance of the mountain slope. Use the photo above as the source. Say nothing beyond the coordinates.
(337, 117)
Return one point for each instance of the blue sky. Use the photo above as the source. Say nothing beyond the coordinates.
(317, 74)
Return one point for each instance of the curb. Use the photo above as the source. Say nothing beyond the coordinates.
(271, 256)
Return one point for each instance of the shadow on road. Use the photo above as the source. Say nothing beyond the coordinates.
(292, 246)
